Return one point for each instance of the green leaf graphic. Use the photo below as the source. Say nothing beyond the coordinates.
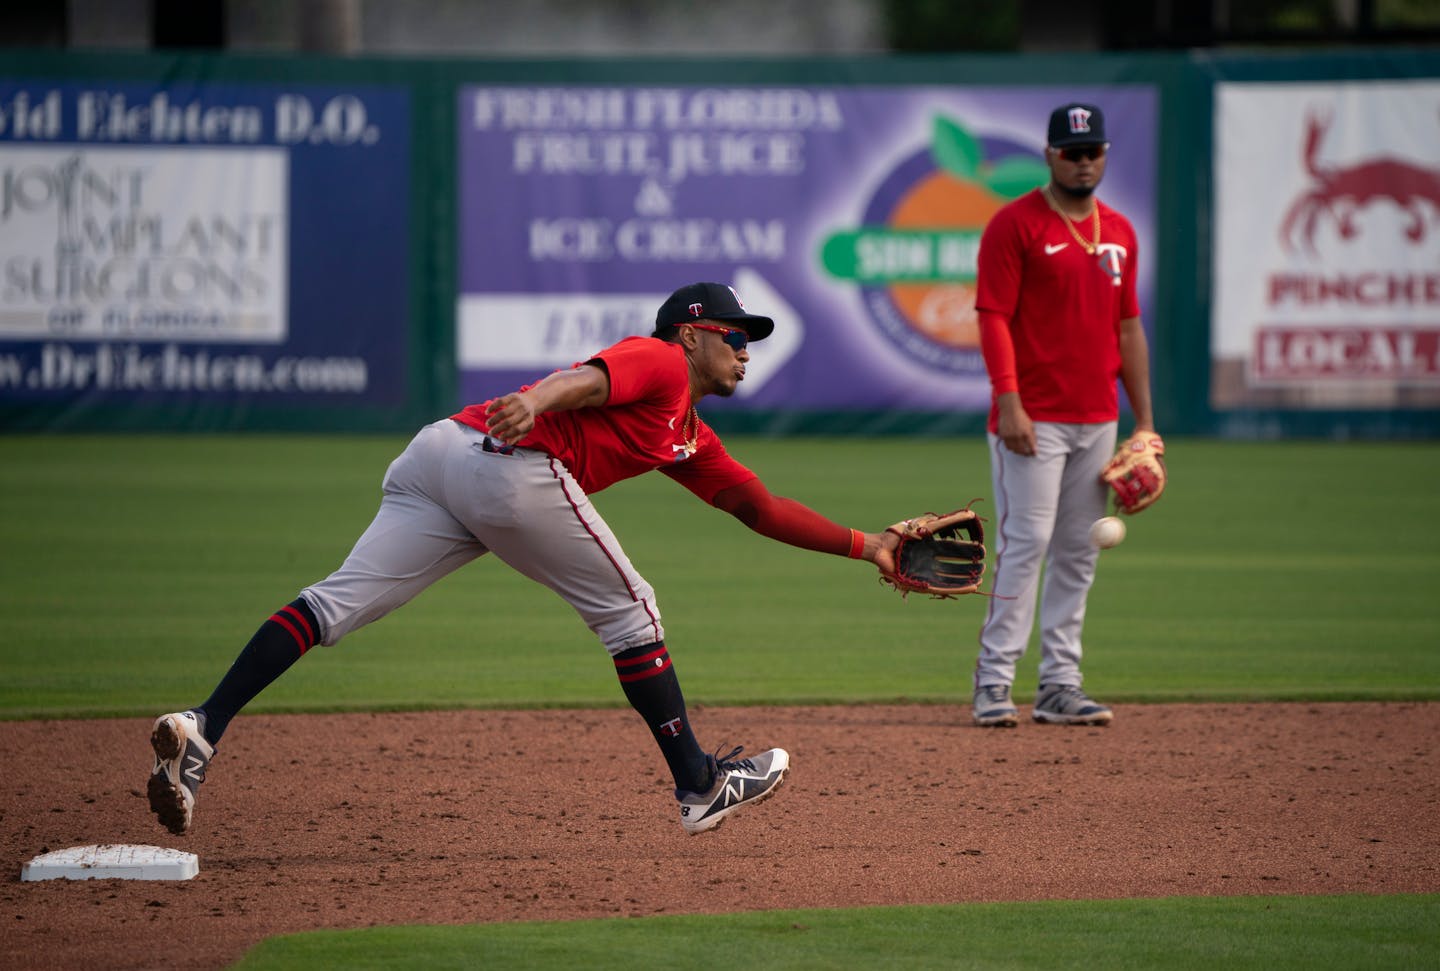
(1012, 177)
(955, 149)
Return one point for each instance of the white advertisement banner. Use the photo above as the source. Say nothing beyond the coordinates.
(143, 244)
(1326, 288)
(534, 331)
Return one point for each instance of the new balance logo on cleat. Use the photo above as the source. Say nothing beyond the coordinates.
(1067, 705)
(178, 740)
(738, 782)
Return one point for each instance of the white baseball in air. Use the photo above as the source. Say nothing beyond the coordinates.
(1106, 532)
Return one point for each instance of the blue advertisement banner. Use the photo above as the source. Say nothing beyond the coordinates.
(189, 244)
(852, 215)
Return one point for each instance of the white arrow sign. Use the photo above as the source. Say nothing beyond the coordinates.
(548, 331)
(767, 357)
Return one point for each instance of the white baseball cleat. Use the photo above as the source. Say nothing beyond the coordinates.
(992, 707)
(738, 782)
(181, 756)
(1066, 704)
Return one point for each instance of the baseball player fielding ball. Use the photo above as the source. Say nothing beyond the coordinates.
(1106, 532)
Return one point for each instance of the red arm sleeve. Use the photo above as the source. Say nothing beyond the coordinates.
(999, 352)
(997, 294)
(784, 519)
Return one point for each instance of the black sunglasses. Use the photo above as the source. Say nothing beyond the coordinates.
(737, 339)
(1076, 152)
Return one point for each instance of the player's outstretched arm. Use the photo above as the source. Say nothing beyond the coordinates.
(796, 524)
(947, 553)
(511, 417)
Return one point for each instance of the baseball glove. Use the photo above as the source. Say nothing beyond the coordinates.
(943, 556)
(1137, 472)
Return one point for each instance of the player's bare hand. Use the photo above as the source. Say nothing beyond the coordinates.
(511, 417)
(880, 549)
(1013, 425)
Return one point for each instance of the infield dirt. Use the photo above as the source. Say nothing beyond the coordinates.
(342, 821)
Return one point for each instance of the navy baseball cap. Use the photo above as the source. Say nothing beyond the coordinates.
(1076, 124)
(709, 301)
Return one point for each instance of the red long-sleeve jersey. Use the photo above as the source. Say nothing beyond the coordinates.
(1050, 312)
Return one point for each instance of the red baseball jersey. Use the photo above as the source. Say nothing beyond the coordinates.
(646, 424)
(1063, 307)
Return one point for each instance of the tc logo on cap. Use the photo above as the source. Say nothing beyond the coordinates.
(1079, 119)
(696, 309)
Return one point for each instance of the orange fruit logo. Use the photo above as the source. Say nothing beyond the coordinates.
(914, 257)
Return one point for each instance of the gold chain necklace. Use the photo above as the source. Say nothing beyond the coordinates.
(1090, 248)
(690, 430)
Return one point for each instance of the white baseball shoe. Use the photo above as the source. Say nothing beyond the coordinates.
(1066, 704)
(992, 707)
(738, 782)
(181, 756)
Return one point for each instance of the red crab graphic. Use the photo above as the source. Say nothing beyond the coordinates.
(1343, 192)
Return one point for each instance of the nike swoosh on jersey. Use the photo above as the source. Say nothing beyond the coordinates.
(1052, 249)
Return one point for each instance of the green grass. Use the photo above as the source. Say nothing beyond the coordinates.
(135, 567)
(1263, 933)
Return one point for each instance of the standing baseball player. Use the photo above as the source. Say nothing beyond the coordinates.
(1059, 322)
(513, 477)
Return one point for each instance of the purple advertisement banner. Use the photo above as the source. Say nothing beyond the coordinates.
(852, 215)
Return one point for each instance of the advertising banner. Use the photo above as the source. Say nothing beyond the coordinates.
(1326, 290)
(852, 215)
(203, 244)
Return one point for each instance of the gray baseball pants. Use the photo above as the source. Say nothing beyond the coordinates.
(1045, 504)
(449, 498)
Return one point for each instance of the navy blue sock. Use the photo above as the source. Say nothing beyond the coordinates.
(653, 690)
(290, 632)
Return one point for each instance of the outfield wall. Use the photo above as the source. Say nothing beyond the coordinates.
(241, 242)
